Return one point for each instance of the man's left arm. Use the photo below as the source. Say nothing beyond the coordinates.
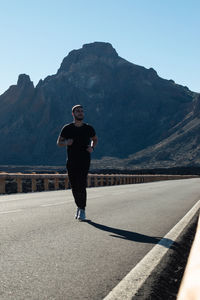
(94, 141)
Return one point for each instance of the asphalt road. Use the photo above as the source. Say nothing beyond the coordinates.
(46, 254)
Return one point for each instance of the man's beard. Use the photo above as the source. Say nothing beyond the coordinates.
(79, 118)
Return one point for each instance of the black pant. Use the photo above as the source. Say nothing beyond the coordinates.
(78, 180)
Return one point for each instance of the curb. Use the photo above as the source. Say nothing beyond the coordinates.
(133, 281)
(190, 285)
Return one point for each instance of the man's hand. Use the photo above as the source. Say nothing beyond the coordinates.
(90, 149)
(63, 142)
(69, 142)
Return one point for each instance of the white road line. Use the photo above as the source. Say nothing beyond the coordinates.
(94, 197)
(32, 196)
(11, 211)
(118, 193)
(128, 287)
(54, 204)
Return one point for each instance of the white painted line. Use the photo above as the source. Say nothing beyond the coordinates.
(132, 282)
(119, 193)
(11, 211)
(32, 195)
(95, 197)
(54, 204)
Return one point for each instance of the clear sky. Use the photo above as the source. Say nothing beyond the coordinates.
(35, 35)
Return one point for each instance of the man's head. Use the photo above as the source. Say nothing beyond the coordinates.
(77, 112)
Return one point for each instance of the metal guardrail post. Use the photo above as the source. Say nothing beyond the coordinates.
(111, 179)
(107, 179)
(102, 180)
(66, 182)
(95, 180)
(89, 181)
(19, 185)
(56, 183)
(46, 184)
(33, 184)
(2, 185)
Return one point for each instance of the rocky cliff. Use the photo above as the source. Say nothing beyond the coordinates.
(139, 117)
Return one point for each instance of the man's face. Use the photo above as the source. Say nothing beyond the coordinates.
(78, 114)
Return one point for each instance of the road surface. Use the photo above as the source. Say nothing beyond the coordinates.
(47, 254)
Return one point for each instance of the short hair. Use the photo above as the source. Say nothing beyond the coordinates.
(76, 106)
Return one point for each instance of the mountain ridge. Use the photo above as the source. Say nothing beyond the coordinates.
(131, 108)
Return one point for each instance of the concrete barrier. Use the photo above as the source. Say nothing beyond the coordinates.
(190, 285)
(19, 182)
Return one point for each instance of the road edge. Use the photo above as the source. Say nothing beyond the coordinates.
(128, 287)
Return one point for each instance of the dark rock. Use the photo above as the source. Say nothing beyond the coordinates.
(24, 81)
(197, 106)
(88, 54)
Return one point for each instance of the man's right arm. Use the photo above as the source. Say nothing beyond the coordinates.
(61, 142)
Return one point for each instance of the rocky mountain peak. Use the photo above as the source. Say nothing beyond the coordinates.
(24, 81)
(100, 49)
(89, 52)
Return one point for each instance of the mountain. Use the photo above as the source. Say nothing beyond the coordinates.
(180, 148)
(140, 118)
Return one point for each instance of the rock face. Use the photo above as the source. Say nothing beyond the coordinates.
(180, 148)
(139, 117)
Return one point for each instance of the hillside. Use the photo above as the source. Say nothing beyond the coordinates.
(140, 118)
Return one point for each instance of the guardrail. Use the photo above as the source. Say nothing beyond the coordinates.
(21, 183)
(190, 285)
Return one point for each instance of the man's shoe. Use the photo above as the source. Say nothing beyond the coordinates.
(81, 215)
(77, 213)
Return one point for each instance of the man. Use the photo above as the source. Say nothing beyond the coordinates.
(80, 139)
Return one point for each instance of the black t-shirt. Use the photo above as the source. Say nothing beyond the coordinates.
(77, 152)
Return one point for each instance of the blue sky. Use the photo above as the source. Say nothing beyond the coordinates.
(37, 34)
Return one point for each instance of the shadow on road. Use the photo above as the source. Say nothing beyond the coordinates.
(134, 236)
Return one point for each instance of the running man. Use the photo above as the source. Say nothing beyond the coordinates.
(80, 140)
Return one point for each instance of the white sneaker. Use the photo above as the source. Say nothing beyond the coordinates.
(77, 213)
(81, 214)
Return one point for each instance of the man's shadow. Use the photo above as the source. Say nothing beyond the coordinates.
(134, 236)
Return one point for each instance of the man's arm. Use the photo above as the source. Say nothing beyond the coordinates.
(61, 142)
(94, 141)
